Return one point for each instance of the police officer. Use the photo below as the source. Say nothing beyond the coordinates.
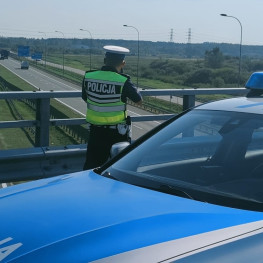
(106, 91)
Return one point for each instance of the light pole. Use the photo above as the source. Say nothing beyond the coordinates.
(45, 47)
(137, 52)
(240, 46)
(62, 47)
(90, 45)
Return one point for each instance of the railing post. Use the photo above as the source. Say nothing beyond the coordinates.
(188, 101)
(42, 118)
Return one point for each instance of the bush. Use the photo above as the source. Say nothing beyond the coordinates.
(257, 66)
(218, 82)
(229, 75)
(214, 58)
(199, 76)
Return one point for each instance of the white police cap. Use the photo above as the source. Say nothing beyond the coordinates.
(116, 50)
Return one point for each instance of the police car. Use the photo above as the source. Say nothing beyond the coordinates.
(191, 190)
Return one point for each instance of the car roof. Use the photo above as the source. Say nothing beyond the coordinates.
(241, 104)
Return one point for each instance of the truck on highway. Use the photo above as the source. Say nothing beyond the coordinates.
(4, 54)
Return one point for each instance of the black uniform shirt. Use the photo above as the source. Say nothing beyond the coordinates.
(129, 89)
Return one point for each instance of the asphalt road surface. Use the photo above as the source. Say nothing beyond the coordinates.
(46, 82)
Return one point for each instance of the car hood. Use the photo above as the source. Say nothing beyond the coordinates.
(83, 217)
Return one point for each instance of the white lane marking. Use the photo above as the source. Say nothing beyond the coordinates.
(71, 107)
(20, 77)
(137, 127)
(133, 125)
(54, 79)
(134, 113)
(40, 74)
(141, 115)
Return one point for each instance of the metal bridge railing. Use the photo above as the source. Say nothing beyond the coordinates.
(44, 161)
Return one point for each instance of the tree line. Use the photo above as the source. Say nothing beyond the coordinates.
(214, 70)
(146, 48)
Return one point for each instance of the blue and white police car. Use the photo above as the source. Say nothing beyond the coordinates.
(191, 190)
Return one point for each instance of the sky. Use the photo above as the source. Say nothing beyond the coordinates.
(180, 21)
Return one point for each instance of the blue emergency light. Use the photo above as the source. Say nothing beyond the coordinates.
(255, 81)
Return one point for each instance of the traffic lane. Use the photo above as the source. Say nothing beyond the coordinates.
(11, 64)
(46, 82)
(39, 79)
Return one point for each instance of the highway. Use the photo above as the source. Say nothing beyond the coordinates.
(46, 82)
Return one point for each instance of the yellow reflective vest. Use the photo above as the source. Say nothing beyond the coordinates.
(104, 105)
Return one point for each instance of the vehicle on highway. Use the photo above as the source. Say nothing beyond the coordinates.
(4, 54)
(190, 190)
(24, 65)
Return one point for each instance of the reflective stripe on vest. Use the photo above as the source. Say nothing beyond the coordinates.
(106, 109)
(105, 118)
(103, 98)
(104, 105)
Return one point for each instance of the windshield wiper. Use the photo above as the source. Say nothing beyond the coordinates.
(153, 184)
(175, 191)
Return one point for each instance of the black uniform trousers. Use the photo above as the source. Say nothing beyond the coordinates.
(101, 138)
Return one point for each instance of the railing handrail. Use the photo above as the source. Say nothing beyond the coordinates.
(193, 91)
(43, 121)
(144, 92)
(38, 94)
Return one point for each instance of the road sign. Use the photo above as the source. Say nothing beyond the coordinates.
(23, 51)
(36, 56)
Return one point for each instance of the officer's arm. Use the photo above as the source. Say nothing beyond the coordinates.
(131, 92)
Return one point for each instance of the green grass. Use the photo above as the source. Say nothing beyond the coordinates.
(22, 138)
(163, 106)
(77, 61)
(14, 80)
(68, 75)
(157, 84)
(11, 137)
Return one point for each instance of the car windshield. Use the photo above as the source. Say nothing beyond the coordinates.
(218, 153)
